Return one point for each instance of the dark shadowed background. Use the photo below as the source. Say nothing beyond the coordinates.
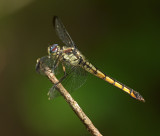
(121, 38)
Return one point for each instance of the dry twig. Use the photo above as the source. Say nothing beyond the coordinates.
(74, 105)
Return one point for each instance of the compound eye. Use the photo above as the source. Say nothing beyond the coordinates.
(53, 48)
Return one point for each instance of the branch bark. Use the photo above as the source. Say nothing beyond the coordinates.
(42, 67)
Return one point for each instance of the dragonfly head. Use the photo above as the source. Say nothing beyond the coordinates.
(53, 49)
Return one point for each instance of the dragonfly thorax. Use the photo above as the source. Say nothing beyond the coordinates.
(72, 56)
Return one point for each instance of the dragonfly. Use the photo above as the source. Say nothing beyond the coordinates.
(74, 65)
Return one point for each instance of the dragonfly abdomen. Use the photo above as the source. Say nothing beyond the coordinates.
(93, 70)
(126, 89)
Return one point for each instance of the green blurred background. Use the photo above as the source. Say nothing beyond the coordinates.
(121, 38)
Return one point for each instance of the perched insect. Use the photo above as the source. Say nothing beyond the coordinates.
(74, 65)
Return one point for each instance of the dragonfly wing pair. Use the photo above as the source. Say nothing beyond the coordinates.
(76, 77)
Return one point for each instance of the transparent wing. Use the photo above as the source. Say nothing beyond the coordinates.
(76, 78)
(53, 93)
(62, 32)
(47, 61)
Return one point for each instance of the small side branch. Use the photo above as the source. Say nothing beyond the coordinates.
(41, 67)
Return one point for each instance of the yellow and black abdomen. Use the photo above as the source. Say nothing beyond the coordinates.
(91, 69)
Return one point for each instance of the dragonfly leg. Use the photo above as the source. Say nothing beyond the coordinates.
(64, 68)
(57, 61)
(52, 91)
(65, 74)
